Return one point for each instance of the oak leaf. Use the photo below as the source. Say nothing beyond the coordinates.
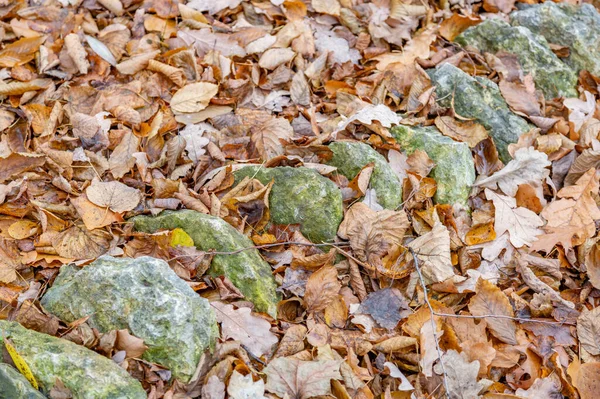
(244, 387)
(461, 375)
(490, 300)
(301, 379)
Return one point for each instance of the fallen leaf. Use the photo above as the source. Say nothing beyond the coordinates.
(194, 142)
(386, 306)
(301, 379)
(18, 163)
(321, 288)
(466, 131)
(588, 330)
(93, 216)
(121, 160)
(133, 346)
(433, 252)
(114, 195)
(78, 242)
(587, 382)
(451, 27)
(490, 300)
(252, 331)
(193, 97)
(461, 375)
(214, 388)
(244, 387)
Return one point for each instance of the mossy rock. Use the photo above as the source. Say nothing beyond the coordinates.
(454, 172)
(301, 196)
(351, 156)
(246, 269)
(144, 296)
(574, 26)
(13, 385)
(553, 77)
(85, 373)
(479, 99)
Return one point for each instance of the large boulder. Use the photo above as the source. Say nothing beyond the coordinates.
(84, 372)
(144, 296)
(246, 269)
(13, 385)
(574, 26)
(479, 99)
(553, 77)
(351, 156)
(454, 172)
(301, 196)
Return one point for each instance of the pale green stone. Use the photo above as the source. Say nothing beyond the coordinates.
(574, 26)
(553, 77)
(84, 372)
(246, 269)
(454, 172)
(301, 196)
(351, 156)
(144, 296)
(479, 99)
(13, 385)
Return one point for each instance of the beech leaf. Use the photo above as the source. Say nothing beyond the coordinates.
(300, 379)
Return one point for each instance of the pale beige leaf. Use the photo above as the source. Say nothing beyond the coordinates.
(244, 387)
(92, 215)
(321, 288)
(274, 57)
(588, 330)
(521, 223)
(528, 166)
(136, 63)
(466, 131)
(428, 347)
(293, 378)
(461, 376)
(418, 47)
(588, 159)
(252, 331)
(490, 300)
(133, 346)
(114, 195)
(268, 138)
(193, 97)
(114, 6)
(433, 252)
(214, 388)
(78, 243)
(10, 260)
(84, 126)
(194, 142)
(121, 160)
(77, 52)
(331, 7)
(299, 90)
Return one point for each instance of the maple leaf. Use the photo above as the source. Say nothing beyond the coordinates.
(252, 331)
(521, 223)
(300, 379)
(528, 166)
(571, 219)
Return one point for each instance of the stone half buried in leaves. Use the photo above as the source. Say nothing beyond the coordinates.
(479, 99)
(85, 373)
(350, 157)
(144, 296)
(13, 385)
(301, 196)
(553, 77)
(245, 269)
(454, 172)
(574, 26)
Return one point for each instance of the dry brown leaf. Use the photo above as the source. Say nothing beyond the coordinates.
(521, 97)
(588, 159)
(133, 346)
(299, 90)
(114, 195)
(121, 160)
(252, 331)
(331, 7)
(78, 242)
(587, 382)
(274, 57)
(22, 229)
(433, 252)
(18, 163)
(290, 377)
(292, 342)
(588, 330)
(136, 63)
(490, 300)
(467, 131)
(77, 53)
(193, 97)
(10, 260)
(322, 287)
(174, 74)
(21, 51)
(93, 216)
(114, 6)
(269, 139)
(455, 25)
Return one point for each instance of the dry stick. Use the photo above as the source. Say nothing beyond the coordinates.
(433, 324)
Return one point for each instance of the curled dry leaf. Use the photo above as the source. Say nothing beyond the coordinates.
(467, 131)
(114, 195)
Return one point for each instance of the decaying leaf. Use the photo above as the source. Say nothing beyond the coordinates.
(321, 288)
(433, 252)
(588, 330)
(301, 379)
(78, 242)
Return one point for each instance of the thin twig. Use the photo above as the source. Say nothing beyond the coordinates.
(433, 324)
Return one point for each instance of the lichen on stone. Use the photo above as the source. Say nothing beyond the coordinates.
(479, 99)
(301, 196)
(13, 385)
(454, 172)
(351, 156)
(553, 77)
(246, 269)
(144, 296)
(85, 373)
(574, 26)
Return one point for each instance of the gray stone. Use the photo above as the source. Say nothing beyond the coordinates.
(144, 296)
(479, 99)
(577, 27)
(553, 77)
(246, 269)
(454, 172)
(13, 385)
(301, 196)
(84, 372)
(351, 156)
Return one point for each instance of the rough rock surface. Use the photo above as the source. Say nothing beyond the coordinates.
(14, 386)
(85, 373)
(246, 269)
(351, 156)
(454, 172)
(144, 296)
(480, 99)
(577, 27)
(553, 77)
(301, 196)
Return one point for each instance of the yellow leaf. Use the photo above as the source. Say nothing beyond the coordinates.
(180, 238)
(20, 363)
